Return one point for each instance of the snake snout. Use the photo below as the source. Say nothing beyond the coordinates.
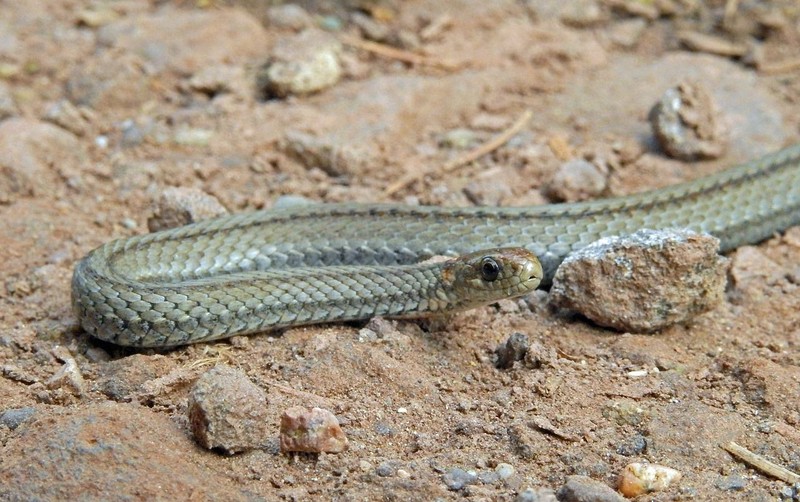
(532, 272)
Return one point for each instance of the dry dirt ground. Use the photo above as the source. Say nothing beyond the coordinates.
(106, 103)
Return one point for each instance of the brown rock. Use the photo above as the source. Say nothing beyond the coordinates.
(642, 282)
(227, 411)
(312, 430)
(181, 206)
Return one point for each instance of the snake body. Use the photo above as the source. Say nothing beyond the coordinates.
(113, 286)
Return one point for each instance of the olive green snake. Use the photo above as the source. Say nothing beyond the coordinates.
(257, 271)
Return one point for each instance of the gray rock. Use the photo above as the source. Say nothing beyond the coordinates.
(488, 477)
(642, 282)
(635, 445)
(512, 350)
(386, 469)
(504, 470)
(227, 411)
(586, 489)
(733, 482)
(14, 417)
(457, 479)
(287, 201)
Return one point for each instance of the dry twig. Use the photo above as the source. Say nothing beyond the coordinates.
(761, 463)
(398, 54)
(467, 158)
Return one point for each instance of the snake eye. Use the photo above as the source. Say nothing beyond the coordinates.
(489, 269)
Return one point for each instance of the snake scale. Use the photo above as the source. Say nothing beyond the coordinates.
(193, 283)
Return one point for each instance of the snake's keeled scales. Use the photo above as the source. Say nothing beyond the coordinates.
(183, 275)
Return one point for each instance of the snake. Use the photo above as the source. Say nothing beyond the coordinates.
(253, 272)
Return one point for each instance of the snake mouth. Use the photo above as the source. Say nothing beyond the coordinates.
(530, 276)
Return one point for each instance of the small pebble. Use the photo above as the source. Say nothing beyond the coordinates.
(505, 471)
(536, 495)
(575, 180)
(642, 282)
(302, 64)
(383, 429)
(132, 133)
(458, 139)
(404, 474)
(227, 411)
(734, 482)
(586, 489)
(219, 79)
(688, 124)
(488, 477)
(180, 206)
(193, 136)
(512, 350)
(97, 355)
(627, 32)
(456, 478)
(14, 417)
(538, 356)
(287, 201)
(312, 430)
(635, 445)
(638, 478)
(96, 16)
(583, 13)
(69, 378)
(290, 16)
(386, 469)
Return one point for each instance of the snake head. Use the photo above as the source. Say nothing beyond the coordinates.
(490, 275)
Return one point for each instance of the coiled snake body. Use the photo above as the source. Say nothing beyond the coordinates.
(202, 281)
